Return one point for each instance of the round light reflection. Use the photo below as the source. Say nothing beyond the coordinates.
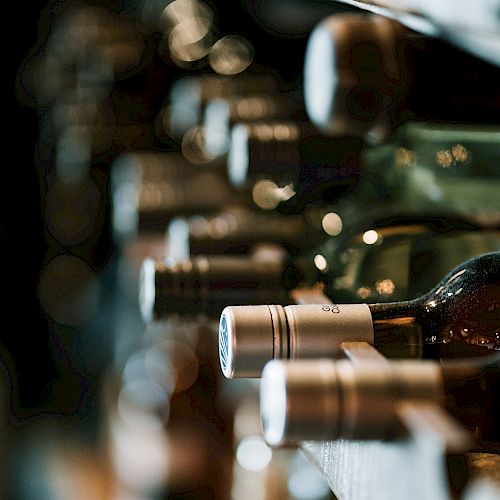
(253, 454)
(332, 224)
(320, 262)
(230, 55)
(370, 237)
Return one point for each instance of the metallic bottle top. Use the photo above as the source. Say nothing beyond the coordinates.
(205, 285)
(323, 399)
(264, 148)
(250, 336)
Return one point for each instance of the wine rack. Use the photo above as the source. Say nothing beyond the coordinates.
(148, 225)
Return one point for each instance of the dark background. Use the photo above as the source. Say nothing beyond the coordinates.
(24, 335)
(278, 30)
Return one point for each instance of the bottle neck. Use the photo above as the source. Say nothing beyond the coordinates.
(394, 310)
(448, 322)
(397, 330)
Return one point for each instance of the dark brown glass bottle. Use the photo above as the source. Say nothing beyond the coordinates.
(365, 75)
(460, 317)
(299, 164)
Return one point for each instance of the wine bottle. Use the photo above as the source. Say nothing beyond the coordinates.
(294, 158)
(324, 399)
(424, 166)
(149, 188)
(367, 74)
(403, 246)
(388, 258)
(206, 284)
(237, 230)
(221, 113)
(458, 317)
(189, 96)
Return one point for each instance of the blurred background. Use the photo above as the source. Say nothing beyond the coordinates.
(109, 160)
(57, 241)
